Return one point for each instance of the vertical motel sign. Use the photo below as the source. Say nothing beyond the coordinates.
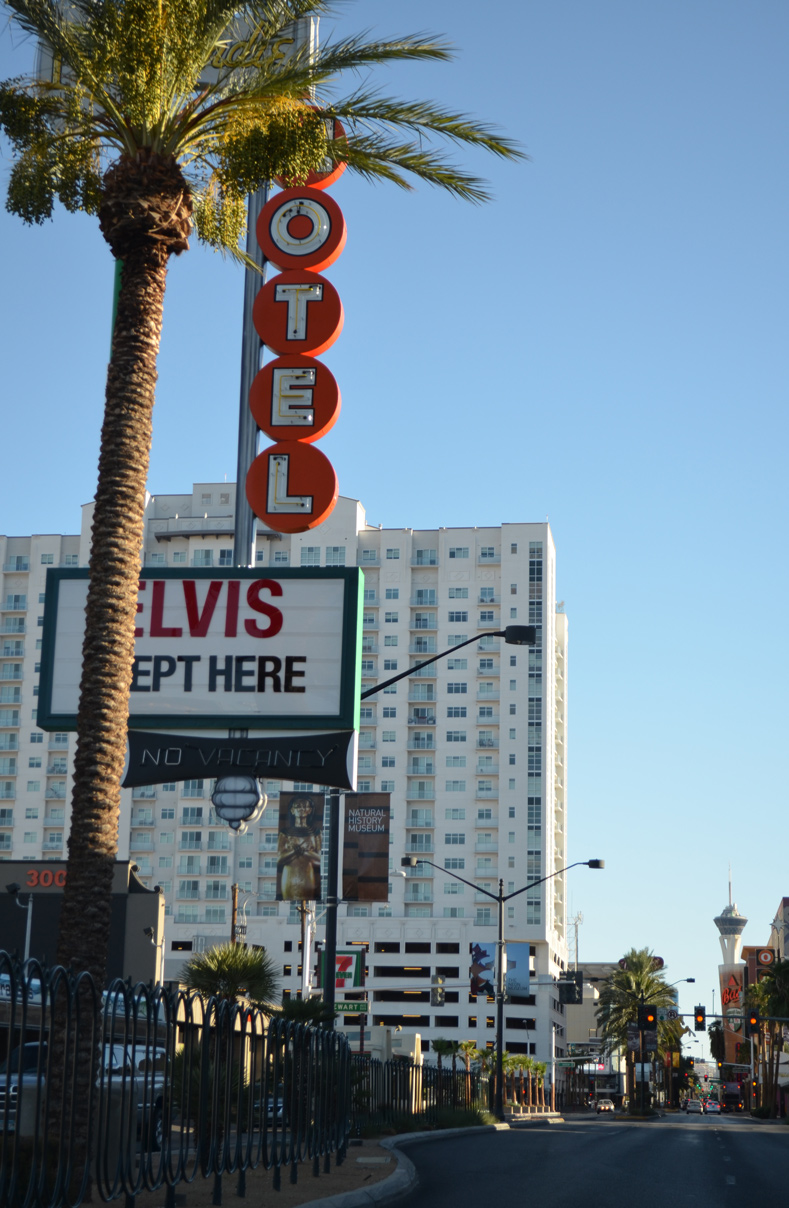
(291, 486)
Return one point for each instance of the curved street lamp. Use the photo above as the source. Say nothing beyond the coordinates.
(501, 897)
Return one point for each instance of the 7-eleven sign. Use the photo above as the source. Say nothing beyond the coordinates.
(349, 969)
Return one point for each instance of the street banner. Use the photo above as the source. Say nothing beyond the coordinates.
(732, 1007)
(482, 969)
(517, 969)
(633, 1038)
(365, 853)
(299, 846)
(155, 758)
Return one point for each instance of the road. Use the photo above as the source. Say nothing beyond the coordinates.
(604, 1162)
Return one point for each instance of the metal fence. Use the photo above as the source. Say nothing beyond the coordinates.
(140, 1088)
(391, 1092)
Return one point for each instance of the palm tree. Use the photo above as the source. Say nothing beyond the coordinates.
(231, 972)
(639, 981)
(770, 997)
(469, 1052)
(446, 1048)
(540, 1070)
(133, 129)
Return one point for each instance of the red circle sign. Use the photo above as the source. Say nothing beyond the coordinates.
(335, 132)
(295, 398)
(301, 228)
(299, 312)
(292, 487)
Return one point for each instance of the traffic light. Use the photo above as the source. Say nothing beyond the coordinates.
(691, 1063)
(647, 1018)
(571, 987)
(752, 1022)
(700, 1019)
(706, 1077)
(437, 991)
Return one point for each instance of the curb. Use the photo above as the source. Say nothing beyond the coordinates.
(404, 1180)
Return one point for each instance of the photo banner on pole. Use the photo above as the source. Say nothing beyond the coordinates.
(482, 970)
(365, 853)
(299, 847)
(517, 979)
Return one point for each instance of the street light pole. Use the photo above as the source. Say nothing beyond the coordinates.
(500, 898)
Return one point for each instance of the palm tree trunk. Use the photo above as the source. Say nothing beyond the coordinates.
(108, 648)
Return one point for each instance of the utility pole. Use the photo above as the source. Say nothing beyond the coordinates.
(233, 912)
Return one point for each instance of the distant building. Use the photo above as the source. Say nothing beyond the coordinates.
(473, 751)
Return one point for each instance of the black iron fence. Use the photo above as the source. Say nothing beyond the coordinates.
(139, 1088)
(391, 1092)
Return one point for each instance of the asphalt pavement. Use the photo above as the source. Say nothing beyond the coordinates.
(604, 1162)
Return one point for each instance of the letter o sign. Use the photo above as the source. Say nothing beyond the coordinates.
(301, 228)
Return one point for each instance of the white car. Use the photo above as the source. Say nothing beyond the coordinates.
(694, 1105)
(712, 1107)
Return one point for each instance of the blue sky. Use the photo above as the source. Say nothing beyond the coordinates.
(604, 344)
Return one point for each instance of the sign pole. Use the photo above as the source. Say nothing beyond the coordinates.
(330, 946)
(251, 349)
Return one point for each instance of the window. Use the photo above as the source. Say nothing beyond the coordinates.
(456, 761)
(387, 761)
(513, 614)
(456, 862)
(390, 618)
(390, 639)
(47, 559)
(335, 555)
(456, 639)
(36, 736)
(426, 557)
(366, 713)
(392, 554)
(364, 786)
(224, 497)
(225, 557)
(71, 560)
(203, 557)
(456, 735)
(486, 616)
(390, 710)
(387, 786)
(454, 888)
(456, 710)
(179, 556)
(458, 618)
(193, 788)
(368, 666)
(165, 861)
(369, 555)
(458, 551)
(486, 595)
(511, 836)
(457, 664)
(310, 555)
(31, 812)
(456, 786)
(513, 710)
(457, 689)
(392, 593)
(34, 761)
(486, 664)
(34, 786)
(390, 664)
(155, 559)
(455, 839)
(513, 589)
(387, 736)
(487, 553)
(458, 593)
(513, 685)
(514, 547)
(281, 557)
(30, 837)
(512, 759)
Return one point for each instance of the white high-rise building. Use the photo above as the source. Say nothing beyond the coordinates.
(472, 750)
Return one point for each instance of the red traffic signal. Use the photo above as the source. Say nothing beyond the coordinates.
(752, 1023)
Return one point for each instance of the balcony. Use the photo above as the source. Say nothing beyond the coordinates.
(189, 526)
(370, 598)
(422, 719)
(486, 794)
(417, 743)
(420, 794)
(216, 893)
(426, 621)
(57, 819)
(144, 792)
(424, 599)
(369, 647)
(421, 845)
(420, 692)
(412, 898)
(190, 845)
(218, 842)
(13, 625)
(494, 599)
(488, 559)
(486, 844)
(419, 818)
(15, 604)
(424, 648)
(189, 866)
(142, 818)
(52, 845)
(58, 767)
(425, 768)
(141, 843)
(487, 769)
(366, 741)
(425, 557)
(9, 742)
(16, 566)
(488, 692)
(55, 792)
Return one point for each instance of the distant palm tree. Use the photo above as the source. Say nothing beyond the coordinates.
(446, 1048)
(312, 1010)
(641, 980)
(469, 1052)
(540, 1070)
(158, 118)
(231, 972)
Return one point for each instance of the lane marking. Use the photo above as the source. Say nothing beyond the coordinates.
(730, 1179)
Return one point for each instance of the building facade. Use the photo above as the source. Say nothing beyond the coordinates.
(472, 750)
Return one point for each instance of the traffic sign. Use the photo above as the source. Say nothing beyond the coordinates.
(667, 1014)
(352, 1008)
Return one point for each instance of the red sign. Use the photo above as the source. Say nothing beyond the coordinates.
(335, 132)
(301, 228)
(292, 487)
(298, 312)
(295, 398)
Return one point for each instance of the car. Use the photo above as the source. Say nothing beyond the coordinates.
(712, 1106)
(604, 1105)
(694, 1106)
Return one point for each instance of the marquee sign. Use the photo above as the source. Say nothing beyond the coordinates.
(219, 648)
(295, 400)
